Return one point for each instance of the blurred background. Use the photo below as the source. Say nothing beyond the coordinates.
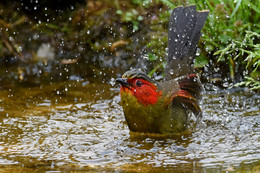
(46, 41)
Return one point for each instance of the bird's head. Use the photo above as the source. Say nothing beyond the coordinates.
(135, 83)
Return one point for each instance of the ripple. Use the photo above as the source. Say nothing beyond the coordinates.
(94, 133)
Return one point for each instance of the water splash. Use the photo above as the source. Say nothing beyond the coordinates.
(84, 128)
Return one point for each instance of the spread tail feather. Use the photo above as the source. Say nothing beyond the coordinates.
(183, 36)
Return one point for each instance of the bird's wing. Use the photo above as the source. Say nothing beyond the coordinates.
(188, 93)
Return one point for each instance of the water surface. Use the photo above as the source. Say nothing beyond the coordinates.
(80, 126)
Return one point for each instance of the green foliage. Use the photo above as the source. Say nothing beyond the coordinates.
(250, 82)
(131, 15)
(152, 57)
(247, 48)
(248, 51)
(168, 3)
(232, 30)
(230, 38)
(230, 35)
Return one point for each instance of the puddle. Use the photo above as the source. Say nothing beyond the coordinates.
(81, 127)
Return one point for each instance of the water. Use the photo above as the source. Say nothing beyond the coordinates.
(79, 126)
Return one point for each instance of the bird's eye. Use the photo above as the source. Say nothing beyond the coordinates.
(138, 83)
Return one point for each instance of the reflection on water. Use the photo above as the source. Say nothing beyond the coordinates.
(77, 126)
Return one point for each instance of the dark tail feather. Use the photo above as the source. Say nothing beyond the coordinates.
(183, 36)
(190, 93)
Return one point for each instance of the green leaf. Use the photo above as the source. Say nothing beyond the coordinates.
(236, 8)
(169, 3)
(152, 57)
(200, 62)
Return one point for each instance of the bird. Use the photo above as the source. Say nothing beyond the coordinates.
(164, 107)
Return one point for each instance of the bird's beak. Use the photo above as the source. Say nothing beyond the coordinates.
(123, 82)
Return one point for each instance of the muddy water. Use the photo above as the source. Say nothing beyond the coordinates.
(79, 126)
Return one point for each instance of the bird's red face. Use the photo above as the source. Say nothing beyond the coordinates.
(146, 92)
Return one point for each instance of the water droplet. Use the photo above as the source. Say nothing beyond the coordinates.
(145, 56)
(225, 84)
(171, 71)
